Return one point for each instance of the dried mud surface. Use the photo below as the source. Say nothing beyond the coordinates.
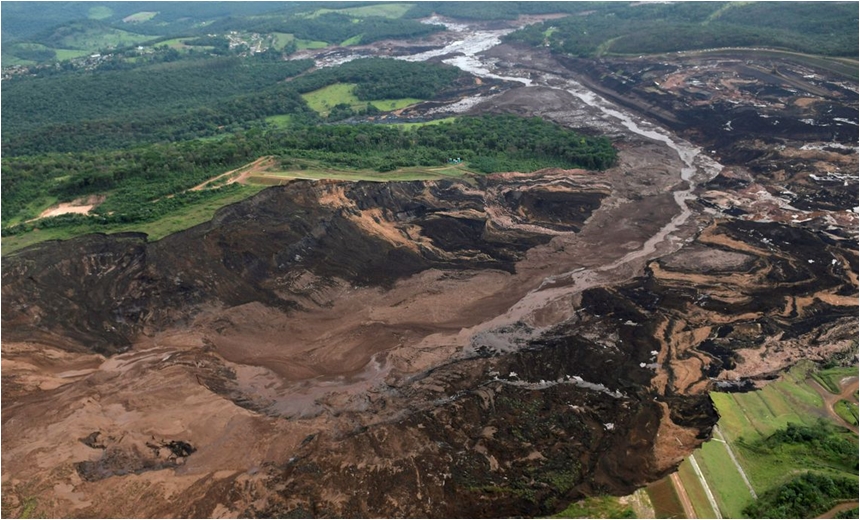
(491, 348)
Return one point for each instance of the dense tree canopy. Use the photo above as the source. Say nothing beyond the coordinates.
(139, 181)
(643, 28)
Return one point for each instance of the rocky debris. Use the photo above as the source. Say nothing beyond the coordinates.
(118, 458)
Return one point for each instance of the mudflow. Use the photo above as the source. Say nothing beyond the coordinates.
(492, 347)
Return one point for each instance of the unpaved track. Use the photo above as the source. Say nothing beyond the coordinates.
(838, 509)
(682, 495)
(254, 167)
(831, 399)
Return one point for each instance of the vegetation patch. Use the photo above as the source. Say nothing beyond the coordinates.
(90, 35)
(623, 28)
(150, 183)
(355, 40)
(341, 95)
(695, 491)
(280, 121)
(419, 124)
(99, 12)
(142, 16)
(806, 496)
(381, 10)
(722, 476)
(183, 218)
(831, 377)
(777, 434)
(847, 410)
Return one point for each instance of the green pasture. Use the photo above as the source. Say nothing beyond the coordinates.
(831, 377)
(94, 40)
(68, 54)
(380, 10)
(324, 99)
(695, 491)
(748, 419)
(142, 16)
(99, 12)
(847, 410)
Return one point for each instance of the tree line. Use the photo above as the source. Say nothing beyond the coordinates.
(190, 99)
(145, 183)
(656, 28)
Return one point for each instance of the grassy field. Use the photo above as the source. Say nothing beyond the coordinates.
(95, 40)
(355, 40)
(310, 44)
(746, 419)
(67, 54)
(280, 121)
(830, 378)
(99, 12)
(695, 491)
(316, 172)
(723, 478)
(280, 40)
(183, 219)
(9, 60)
(324, 99)
(382, 10)
(140, 17)
(847, 410)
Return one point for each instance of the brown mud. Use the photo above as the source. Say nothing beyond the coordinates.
(436, 349)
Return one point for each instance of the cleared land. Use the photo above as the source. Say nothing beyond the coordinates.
(381, 10)
(140, 17)
(326, 98)
(315, 172)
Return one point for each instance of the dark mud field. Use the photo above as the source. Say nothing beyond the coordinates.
(493, 348)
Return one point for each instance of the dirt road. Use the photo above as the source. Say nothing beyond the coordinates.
(689, 512)
(848, 389)
(243, 172)
(838, 509)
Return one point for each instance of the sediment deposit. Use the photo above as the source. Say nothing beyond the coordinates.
(492, 347)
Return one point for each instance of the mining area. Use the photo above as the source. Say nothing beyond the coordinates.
(496, 347)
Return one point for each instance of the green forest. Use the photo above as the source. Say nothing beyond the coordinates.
(175, 95)
(645, 28)
(168, 109)
(145, 183)
(188, 99)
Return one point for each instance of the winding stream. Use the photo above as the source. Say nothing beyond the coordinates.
(694, 160)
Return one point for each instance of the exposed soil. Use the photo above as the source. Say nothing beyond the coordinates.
(848, 388)
(81, 207)
(239, 175)
(439, 349)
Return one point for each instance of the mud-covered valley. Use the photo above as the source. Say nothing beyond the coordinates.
(493, 347)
